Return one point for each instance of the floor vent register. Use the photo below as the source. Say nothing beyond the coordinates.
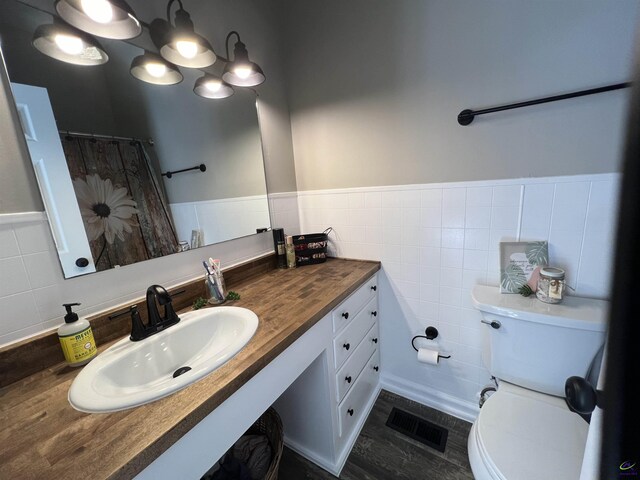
(419, 429)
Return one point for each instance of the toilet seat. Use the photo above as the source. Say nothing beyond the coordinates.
(525, 435)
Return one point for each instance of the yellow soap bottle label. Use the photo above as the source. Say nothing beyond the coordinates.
(78, 347)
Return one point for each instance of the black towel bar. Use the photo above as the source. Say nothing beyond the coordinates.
(465, 117)
(202, 167)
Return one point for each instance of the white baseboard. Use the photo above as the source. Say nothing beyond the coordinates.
(430, 397)
(311, 456)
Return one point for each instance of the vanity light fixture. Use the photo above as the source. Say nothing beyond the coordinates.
(183, 46)
(104, 18)
(68, 44)
(178, 45)
(241, 72)
(152, 68)
(209, 86)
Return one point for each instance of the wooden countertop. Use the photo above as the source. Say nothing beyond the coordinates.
(42, 436)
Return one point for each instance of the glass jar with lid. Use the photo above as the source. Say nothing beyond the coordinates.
(551, 285)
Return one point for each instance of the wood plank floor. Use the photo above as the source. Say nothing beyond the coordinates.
(381, 453)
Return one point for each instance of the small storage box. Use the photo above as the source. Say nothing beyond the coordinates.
(311, 248)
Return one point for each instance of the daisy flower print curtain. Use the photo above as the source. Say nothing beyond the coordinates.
(123, 208)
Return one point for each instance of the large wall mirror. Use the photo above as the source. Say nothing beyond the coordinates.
(106, 147)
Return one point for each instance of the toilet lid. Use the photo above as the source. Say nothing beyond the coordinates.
(525, 435)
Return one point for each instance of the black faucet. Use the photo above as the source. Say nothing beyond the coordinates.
(156, 323)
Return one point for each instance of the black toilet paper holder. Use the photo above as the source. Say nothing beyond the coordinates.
(430, 333)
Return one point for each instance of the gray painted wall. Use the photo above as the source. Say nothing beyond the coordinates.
(256, 23)
(375, 88)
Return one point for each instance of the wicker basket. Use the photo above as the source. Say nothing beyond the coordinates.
(269, 424)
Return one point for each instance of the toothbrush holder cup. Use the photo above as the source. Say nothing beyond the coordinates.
(216, 288)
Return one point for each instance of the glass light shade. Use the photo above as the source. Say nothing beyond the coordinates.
(191, 51)
(152, 68)
(209, 86)
(185, 47)
(104, 18)
(69, 45)
(242, 72)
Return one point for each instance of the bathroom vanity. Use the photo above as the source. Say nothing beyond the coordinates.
(315, 354)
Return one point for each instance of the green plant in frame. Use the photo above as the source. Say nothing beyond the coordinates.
(537, 253)
(512, 278)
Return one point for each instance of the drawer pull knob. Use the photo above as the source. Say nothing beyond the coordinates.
(376, 368)
(374, 340)
(347, 346)
(374, 313)
(350, 412)
(374, 288)
(348, 379)
(346, 315)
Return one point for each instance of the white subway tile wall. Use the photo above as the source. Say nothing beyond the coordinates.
(32, 288)
(437, 241)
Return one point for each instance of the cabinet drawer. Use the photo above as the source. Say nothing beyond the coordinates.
(347, 340)
(347, 310)
(347, 375)
(351, 410)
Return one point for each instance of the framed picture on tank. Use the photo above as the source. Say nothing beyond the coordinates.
(520, 264)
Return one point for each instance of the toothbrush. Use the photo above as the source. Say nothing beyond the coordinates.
(215, 264)
(206, 267)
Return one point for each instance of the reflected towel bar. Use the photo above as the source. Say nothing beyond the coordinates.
(202, 167)
(465, 117)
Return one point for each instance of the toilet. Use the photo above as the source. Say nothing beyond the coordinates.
(525, 429)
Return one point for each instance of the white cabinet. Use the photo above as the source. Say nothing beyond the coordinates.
(348, 381)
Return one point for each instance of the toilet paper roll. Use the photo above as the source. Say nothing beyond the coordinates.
(426, 355)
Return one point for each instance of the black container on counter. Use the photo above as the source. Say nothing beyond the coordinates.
(311, 248)
(278, 244)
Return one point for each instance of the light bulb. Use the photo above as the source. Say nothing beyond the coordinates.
(242, 72)
(187, 48)
(69, 44)
(156, 70)
(99, 11)
(213, 85)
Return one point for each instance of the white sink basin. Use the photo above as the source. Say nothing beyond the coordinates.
(129, 374)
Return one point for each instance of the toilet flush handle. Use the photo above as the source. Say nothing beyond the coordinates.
(494, 323)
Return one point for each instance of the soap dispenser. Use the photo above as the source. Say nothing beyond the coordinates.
(76, 338)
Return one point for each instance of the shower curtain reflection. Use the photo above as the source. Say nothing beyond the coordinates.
(123, 207)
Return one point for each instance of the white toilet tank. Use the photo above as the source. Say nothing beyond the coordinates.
(539, 345)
